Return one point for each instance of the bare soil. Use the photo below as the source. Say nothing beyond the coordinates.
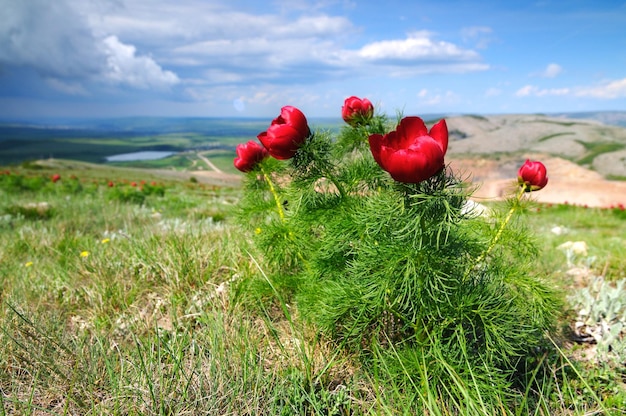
(567, 182)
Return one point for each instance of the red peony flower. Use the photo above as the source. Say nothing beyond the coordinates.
(411, 154)
(532, 176)
(286, 134)
(248, 155)
(356, 110)
(56, 177)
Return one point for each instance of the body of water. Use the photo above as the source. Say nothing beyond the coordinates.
(143, 155)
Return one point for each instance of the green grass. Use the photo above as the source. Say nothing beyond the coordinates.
(169, 312)
(595, 149)
(551, 136)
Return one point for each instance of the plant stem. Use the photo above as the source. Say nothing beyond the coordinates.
(279, 206)
(496, 238)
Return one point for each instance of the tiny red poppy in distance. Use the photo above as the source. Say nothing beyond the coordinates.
(56, 177)
(249, 155)
(411, 153)
(357, 111)
(286, 134)
(532, 175)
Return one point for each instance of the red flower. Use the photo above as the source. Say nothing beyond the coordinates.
(110, 184)
(356, 110)
(532, 176)
(133, 184)
(248, 155)
(286, 134)
(56, 177)
(411, 154)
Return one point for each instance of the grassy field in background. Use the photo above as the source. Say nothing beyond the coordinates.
(123, 292)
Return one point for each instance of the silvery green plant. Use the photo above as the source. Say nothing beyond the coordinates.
(368, 233)
(601, 317)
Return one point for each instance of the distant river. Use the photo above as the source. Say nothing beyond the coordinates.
(143, 155)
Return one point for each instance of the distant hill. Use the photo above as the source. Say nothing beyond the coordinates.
(588, 143)
(616, 118)
(596, 140)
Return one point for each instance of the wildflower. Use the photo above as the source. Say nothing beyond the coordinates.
(257, 230)
(411, 153)
(84, 253)
(357, 111)
(110, 184)
(286, 134)
(28, 264)
(105, 240)
(55, 178)
(249, 155)
(532, 176)
(133, 184)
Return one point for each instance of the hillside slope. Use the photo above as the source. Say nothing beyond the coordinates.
(591, 144)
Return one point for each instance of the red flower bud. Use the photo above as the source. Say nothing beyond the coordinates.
(356, 110)
(55, 178)
(286, 134)
(248, 155)
(532, 176)
(411, 154)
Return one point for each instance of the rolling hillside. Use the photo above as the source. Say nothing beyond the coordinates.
(590, 144)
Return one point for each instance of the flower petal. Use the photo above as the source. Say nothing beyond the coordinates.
(439, 132)
(409, 129)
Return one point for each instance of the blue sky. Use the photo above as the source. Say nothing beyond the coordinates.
(248, 58)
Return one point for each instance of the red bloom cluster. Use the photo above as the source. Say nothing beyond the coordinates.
(286, 134)
(532, 176)
(55, 178)
(411, 153)
(248, 155)
(357, 111)
(281, 140)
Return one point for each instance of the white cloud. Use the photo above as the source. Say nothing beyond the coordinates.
(50, 37)
(437, 98)
(67, 87)
(417, 47)
(479, 35)
(125, 67)
(608, 90)
(534, 91)
(57, 40)
(550, 71)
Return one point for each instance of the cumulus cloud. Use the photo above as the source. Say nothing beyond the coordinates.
(125, 67)
(50, 37)
(417, 47)
(59, 42)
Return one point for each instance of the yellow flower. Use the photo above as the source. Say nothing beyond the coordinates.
(84, 253)
(257, 230)
(28, 264)
(106, 240)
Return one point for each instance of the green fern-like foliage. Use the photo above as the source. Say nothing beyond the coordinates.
(400, 273)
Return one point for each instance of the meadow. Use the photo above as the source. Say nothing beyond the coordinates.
(125, 292)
